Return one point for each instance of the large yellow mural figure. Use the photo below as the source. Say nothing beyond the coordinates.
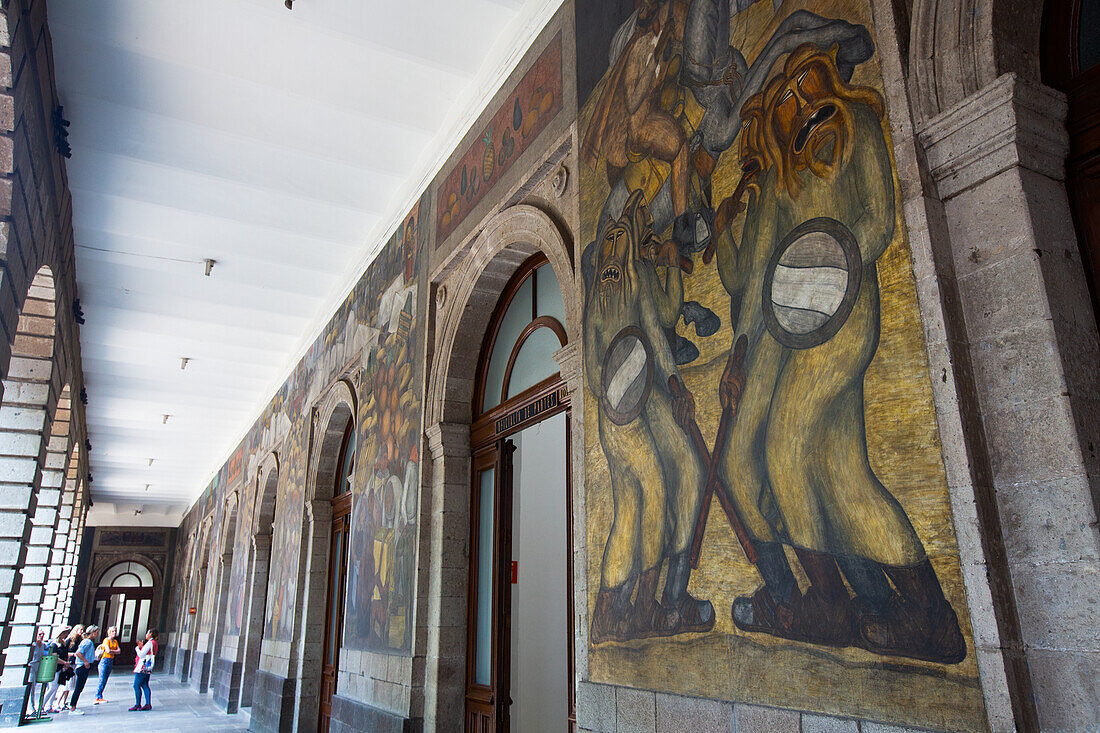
(765, 490)
(802, 276)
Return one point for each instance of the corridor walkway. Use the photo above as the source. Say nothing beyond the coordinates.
(176, 709)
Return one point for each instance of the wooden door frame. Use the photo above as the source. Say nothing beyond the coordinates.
(489, 434)
(341, 519)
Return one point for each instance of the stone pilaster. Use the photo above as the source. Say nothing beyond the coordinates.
(444, 596)
(1029, 333)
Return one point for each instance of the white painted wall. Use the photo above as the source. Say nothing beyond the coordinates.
(539, 605)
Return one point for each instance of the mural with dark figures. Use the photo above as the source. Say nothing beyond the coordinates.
(767, 501)
(385, 505)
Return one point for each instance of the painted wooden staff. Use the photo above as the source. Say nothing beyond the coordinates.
(676, 387)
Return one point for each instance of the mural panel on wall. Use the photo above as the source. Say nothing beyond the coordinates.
(375, 340)
(768, 516)
(536, 100)
(382, 564)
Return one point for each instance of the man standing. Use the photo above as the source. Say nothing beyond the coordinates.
(106, 653)
(84, 657)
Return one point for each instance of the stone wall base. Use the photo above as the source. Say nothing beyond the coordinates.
(200, 672)
(273, 703)
(183, 664)
(609, 708)
(13, 701)
(349, 716)
(225, 684)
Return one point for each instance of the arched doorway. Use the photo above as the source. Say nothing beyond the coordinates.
(124, 599)
(1071, 64)
(337, 570)
(252, 629)
(519, 666)
(323, 579)
(463, 297)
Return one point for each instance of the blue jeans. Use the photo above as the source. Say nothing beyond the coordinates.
(104, 672)
(141, 682)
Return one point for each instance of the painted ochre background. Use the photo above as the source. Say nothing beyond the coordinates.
(904, 448)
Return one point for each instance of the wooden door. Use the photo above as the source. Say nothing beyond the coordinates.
(334, 610)
(488, 644)
(130, 610)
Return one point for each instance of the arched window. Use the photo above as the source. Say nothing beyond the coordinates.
(525, 332)
(126, 575)
(346, 465)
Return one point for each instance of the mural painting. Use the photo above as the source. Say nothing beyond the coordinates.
(536, 100)
(768, 518)
(385, 504)
(242, 557)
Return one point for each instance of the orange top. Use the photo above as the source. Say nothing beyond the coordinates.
(110, 648)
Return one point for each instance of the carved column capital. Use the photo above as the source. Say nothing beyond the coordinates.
(1010, 122)
(570, 360)
(448, 439)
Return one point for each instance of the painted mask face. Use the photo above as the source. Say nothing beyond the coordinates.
(808, 116)
(613, 253)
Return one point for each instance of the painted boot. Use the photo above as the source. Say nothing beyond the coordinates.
(682, 612)
(825, 613)
(917, 621)
(612, 613)
(647, 611)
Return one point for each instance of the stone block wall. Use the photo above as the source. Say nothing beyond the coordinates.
(43, 491)
(273, 703)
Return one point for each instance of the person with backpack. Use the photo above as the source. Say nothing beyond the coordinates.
(143, 667)
(106, 654)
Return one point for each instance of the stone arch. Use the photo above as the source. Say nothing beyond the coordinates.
(227, 532)
(24, 433)
(957, 47)
(336, 408)
(45, 535)
(106, 562)
(261, 522)
(67, 524)
(471, 291)
(198, 593)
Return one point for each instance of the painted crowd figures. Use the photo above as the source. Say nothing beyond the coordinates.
(797, 153)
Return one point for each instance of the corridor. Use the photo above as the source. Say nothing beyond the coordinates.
(176, 709)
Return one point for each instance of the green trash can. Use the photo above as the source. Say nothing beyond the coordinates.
(47, 668)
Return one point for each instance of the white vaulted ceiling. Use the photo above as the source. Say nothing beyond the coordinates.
(284, 144)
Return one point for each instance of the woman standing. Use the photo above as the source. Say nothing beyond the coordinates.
(106, 654)
(84, 659)
(67, 677)
(143, 667)
(57, 647)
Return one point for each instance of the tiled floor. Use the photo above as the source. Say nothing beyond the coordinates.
(176, 709)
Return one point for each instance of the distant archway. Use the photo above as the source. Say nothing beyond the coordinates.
(263, 520)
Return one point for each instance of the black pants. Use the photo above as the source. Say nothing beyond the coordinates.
(81, 679)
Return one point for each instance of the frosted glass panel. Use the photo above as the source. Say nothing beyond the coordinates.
(142, 620)
(517, 316)
(483, 662)
(549, 294)
(535, 361)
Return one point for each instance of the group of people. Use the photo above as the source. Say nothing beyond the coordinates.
(79, 652)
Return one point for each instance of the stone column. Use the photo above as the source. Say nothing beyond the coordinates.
(996, 160)
(448, 566)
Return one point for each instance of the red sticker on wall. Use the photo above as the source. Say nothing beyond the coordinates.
(515, 571)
